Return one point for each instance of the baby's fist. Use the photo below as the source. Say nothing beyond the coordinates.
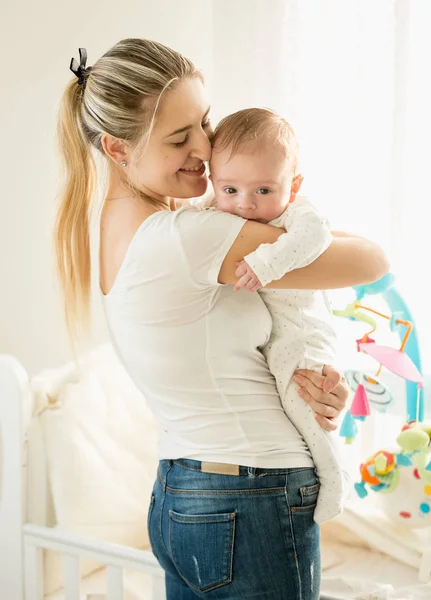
(247, 278)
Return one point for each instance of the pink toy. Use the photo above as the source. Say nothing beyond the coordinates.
(360, 405)
(393, 359)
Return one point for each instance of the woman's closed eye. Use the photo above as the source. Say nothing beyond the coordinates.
(205, 125)
(182, 143)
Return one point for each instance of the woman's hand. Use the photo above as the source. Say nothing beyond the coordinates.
(326, 394)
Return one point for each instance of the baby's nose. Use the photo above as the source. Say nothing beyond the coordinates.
(246, 205)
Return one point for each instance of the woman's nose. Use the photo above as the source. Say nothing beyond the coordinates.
(202, 147)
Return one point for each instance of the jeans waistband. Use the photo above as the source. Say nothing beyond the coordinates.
(236, 470)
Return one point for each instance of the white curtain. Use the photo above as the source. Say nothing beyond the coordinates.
(353, 77)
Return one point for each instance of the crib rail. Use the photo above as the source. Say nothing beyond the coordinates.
(73, 547)
(14, 411)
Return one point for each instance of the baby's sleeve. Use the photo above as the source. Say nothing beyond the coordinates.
(308, 236)
(206, 237)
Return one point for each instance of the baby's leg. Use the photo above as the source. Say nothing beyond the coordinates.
(326, 451)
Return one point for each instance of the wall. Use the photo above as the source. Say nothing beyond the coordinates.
(250, 57)
(38, 41)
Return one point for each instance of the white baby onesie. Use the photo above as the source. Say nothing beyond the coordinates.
(302, 337)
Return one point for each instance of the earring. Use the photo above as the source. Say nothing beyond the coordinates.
(123, 163)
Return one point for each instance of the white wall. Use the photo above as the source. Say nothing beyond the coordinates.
(38, 40)
(250, 56)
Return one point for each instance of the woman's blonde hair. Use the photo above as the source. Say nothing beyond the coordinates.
(252, 125)
(119, 95)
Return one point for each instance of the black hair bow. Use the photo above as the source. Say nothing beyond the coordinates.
(80, 70)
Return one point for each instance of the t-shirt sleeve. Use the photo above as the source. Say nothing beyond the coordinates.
(206, 237)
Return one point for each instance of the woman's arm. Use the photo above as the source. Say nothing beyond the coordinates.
(344, 234)
(348, 261)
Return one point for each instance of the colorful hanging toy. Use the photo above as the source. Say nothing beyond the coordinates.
(369, 390)
(403, 477)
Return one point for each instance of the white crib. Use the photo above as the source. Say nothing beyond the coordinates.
(24, 502)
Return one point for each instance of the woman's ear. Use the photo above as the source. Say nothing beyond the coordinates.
(295, 187)
(115, 148)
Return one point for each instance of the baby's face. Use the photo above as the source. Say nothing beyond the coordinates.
(254, 184)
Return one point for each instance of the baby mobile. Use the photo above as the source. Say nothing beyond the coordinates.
(403, 477)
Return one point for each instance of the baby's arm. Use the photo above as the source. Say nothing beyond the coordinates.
(307, 237)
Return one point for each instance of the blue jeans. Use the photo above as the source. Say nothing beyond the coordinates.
(236, 537)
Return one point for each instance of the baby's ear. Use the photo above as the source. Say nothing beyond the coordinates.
(295, 187)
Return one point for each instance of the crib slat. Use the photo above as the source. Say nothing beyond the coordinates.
(33, 570)
(71, 577)
(114, 578)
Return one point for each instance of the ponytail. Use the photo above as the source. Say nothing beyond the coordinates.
(72, 229)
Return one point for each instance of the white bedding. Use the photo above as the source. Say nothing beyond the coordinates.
(353, 571)
(362, 574)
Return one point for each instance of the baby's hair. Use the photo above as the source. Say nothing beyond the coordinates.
(249, 126)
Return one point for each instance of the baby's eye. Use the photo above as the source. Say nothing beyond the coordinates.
(230, 190)
(263, 191)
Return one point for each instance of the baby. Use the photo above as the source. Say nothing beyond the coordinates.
(255, 175)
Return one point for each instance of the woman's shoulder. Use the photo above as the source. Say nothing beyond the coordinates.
(206, 236)
(120, 226)
(206, 217)
(205, 229)
(199, 234)
(188, 221)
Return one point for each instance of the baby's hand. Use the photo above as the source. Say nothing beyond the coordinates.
(247, 278)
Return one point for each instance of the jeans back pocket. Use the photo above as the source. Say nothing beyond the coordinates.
(202, 548)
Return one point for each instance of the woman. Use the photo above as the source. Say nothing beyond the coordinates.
(231, 514)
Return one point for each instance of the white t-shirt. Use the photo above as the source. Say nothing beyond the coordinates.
(192, 345)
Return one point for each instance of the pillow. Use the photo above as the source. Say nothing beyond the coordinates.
(101, 451)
